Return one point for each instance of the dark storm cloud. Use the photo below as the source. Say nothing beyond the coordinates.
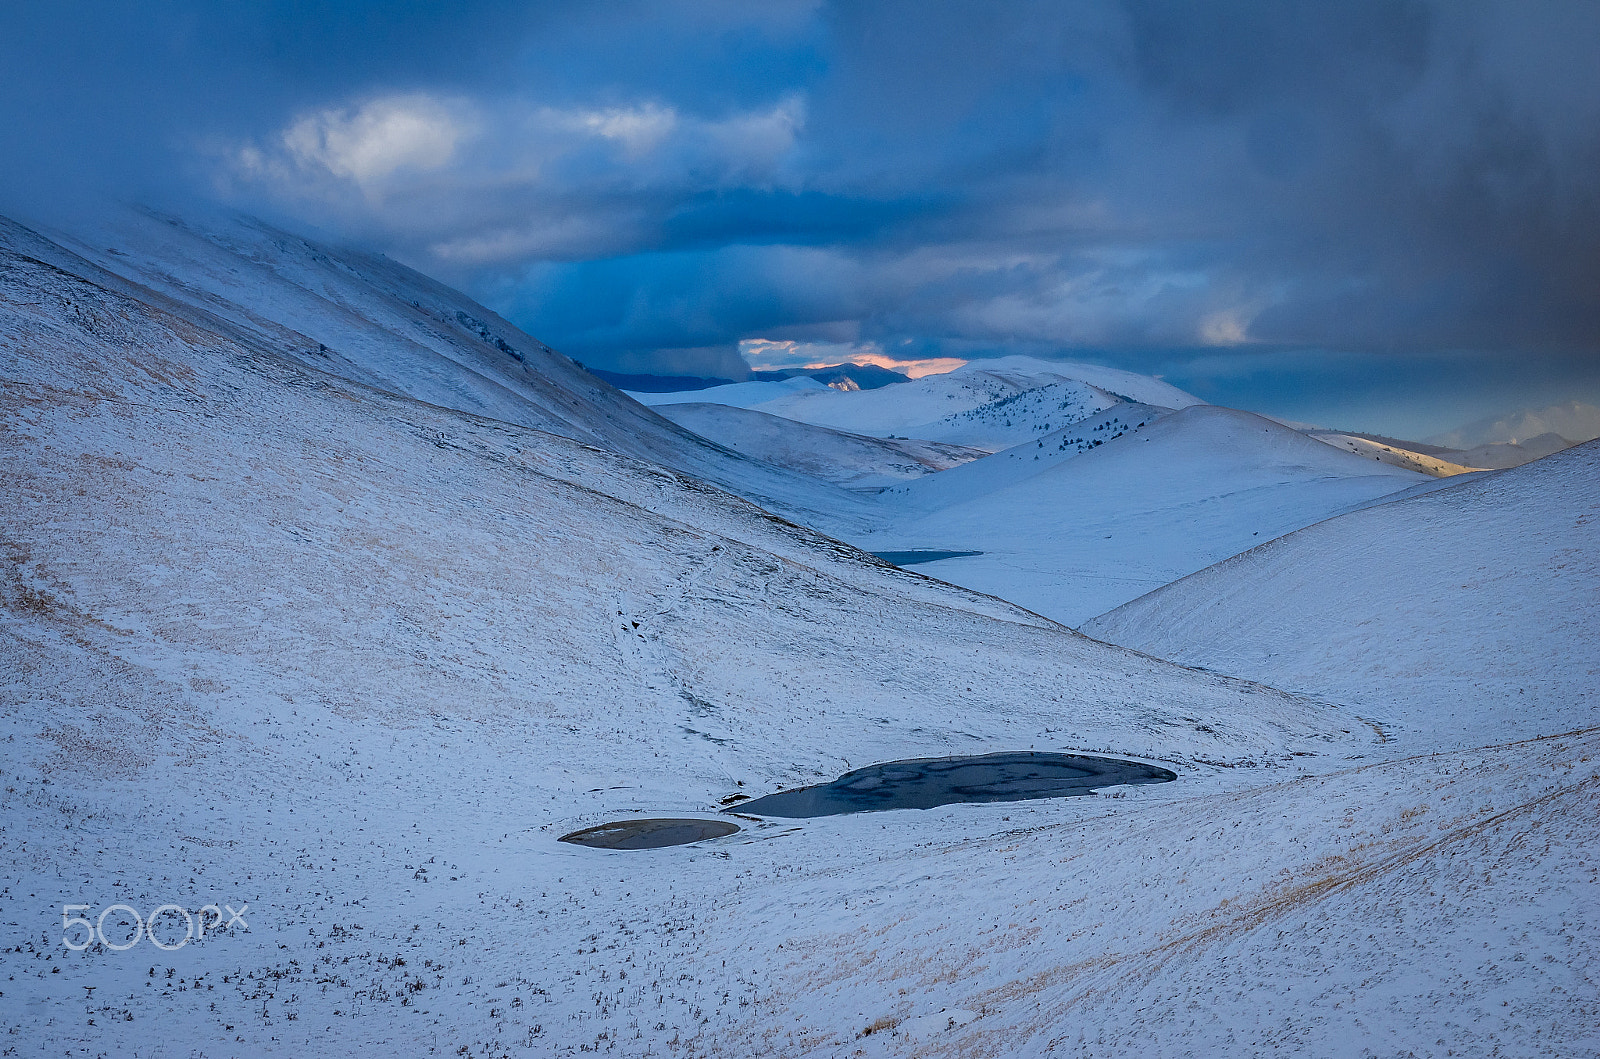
(649, 183)
(1420, 175)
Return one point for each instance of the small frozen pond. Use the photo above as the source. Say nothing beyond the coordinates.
(649, 834)
(925, 783)
(912, 558)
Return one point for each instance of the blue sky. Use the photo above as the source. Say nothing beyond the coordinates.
(1380, 214)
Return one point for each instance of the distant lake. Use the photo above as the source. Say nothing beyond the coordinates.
(912, 558)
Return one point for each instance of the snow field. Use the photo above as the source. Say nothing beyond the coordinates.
(288, 632)
(1465, 612)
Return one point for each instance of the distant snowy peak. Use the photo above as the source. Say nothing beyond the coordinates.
(851, 460)
(1020, 417)
(990, 404)
(735, 394)
(1573, 421)
(1030, 458)
(1131, 386)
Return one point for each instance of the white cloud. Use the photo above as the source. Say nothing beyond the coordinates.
(638, 129)
(758, 139)
(498, 179)
(662, 142)
(369, 143)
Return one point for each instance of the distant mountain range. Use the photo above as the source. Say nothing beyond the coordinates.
(1571, 420)
(838, 376)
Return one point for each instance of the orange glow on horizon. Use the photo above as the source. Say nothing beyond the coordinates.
(769, 353)
(914, 369)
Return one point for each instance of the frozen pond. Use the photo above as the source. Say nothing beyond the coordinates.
(924, 783)
(649, 834)
(914, 557)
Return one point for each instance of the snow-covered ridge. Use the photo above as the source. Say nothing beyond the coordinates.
(1128, 385)
(276, 636)
(990, 404)
(851, 460)
(1393, 454)
(371, 320)
(1471, 606)
(1071, 535)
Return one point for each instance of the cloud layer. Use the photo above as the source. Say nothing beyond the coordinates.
(646, 185)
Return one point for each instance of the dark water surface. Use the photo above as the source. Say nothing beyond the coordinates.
(649, 834)
(912, 558)
(925, 783)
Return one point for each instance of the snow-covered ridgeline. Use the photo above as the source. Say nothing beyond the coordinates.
(271, 636)
(1467, 611)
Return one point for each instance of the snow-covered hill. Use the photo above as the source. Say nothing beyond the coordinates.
(351, 661)
(371, 320)
(970, 481)
(1396, 455)
(1090, 532)
(1440, 460)
(990, 404)
(832, 455)
(1021, 417)
(1127, 385)
(272, 637)
(1069, 544)
(1468, 612)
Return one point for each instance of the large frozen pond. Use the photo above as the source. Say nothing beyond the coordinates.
(924, 783)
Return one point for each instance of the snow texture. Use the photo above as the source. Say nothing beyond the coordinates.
(989, 404)
(1470, 607)
(847, 459)
(1089, 532)
(353, 639)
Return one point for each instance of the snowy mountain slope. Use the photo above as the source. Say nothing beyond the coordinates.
(1128, 385)
(356, 315)
(1071, 545)
(1393, 455)
(1438, 460)
(1379, 911)
(877, 413)
(1014, 417)
(735, 394)
(1467, 612)
(1021, 417)
(1105, 527)
(831, 455)
(1020, 462)
(371, 320)
(270, 637)
(1036, 395)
